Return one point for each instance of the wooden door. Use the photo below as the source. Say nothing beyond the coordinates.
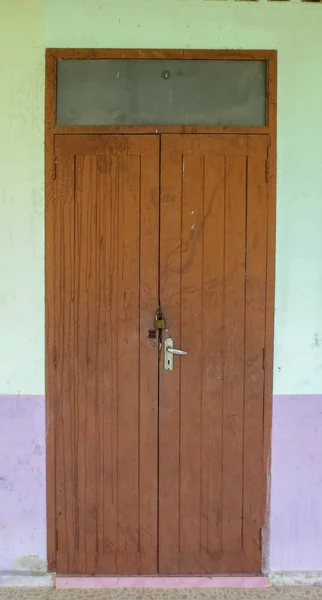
(212, 283)
(102, 292)
(157, 471)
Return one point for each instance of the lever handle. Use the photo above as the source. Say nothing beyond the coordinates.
(175, 351)
(169, 351)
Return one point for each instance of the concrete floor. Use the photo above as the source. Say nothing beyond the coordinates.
(312, 592)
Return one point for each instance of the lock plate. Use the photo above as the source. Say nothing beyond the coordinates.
(168, 357)
(152, 334)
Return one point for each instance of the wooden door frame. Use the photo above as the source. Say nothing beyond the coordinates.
(51, 129)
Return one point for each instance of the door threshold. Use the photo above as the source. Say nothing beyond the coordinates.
(158, 582)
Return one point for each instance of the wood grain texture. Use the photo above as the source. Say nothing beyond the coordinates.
(107, 395)
(270, 299)
(255, 303)
(160, 129)
(160, 53)
(212, 274)
(234, 332)
(213, 354)
(191, 318)
(49, 294)
(149, 410)
(62, 390)
(170, 404)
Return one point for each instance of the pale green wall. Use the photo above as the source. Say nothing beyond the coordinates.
(21, 197)
(293, 29)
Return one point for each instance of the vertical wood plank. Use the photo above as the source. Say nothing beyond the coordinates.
(62, 328)
(148, 365)
(107, 192)
(169, 406)
(87, 301)
(50, 321)
(256, 247)
(270, 300)
(128, 361)
(234, 324)
(213, 346)
(190, 366)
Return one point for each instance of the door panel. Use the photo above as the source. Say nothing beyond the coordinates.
(105, 276)
(212, 285)
(158, 471)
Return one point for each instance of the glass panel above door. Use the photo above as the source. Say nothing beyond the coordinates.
(161, 92)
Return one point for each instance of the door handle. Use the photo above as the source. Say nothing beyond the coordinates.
(175, 351)
(169, 351)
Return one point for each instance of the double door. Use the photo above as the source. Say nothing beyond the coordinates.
(158, 470)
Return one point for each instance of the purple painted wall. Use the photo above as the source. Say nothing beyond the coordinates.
(296, 483)
(22, 483)
(296, 499)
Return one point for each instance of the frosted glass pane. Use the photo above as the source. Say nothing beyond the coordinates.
(161, 92)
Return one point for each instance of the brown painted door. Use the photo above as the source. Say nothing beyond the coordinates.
(212, 285)
(105, 379)
(158, 471)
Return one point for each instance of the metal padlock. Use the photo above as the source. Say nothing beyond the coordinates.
(159, 320)
(159, 323)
